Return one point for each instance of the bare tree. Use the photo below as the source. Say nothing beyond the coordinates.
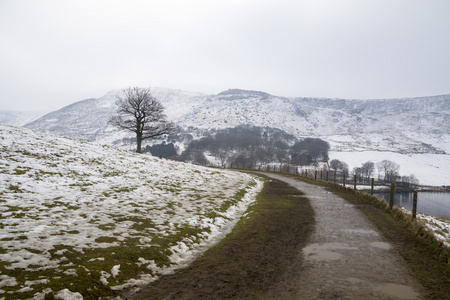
(222, 155)
(389, 169)
(345, 169)
(413, 179)
(367, 169)
(335, 164)
(357, 171)
(138, 111)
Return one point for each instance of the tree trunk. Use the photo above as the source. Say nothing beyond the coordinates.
(139, 143)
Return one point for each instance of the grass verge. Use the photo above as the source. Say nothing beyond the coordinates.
(249, 260)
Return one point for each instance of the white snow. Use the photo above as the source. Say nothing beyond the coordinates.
(62, 198)
(115, 270)
(68, 295)
(5, 280)
(20, 118)
(408, 125)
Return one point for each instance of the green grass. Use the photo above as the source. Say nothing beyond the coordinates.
(14, 188)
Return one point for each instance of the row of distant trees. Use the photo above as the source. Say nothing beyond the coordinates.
(248, 146)
(387, 170)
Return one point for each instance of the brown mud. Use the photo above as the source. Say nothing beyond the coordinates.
(250, 260)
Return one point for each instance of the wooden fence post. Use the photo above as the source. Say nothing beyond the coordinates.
(343, 178)
(373, 183)
(354, 182)
(334, 176)
(392, 197)
(414, 211)
(327, 174)
(315, 175)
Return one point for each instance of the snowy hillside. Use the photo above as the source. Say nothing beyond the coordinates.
(393, 128)
(414, 125)
(88, 119)
(19, 118)
(78, 214)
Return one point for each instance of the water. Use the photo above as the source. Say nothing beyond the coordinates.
(431, 203)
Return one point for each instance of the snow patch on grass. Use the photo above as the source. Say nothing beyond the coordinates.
(74, 211)
(440, 227)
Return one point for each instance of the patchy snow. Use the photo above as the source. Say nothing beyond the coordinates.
(440, 227)
(5, 280)
(68, 295)
(69, 206)
(115, 270)
(430, 169)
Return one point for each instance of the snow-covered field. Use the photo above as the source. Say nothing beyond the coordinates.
(72, 212)
(430, 169)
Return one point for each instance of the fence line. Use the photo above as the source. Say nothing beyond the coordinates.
(342, 179)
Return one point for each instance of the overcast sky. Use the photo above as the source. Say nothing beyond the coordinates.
(54, 53)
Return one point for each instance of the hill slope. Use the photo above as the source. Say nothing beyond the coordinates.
(414, 132)
(88, 119)
(19, 118)
(411, 125)
(78, 215)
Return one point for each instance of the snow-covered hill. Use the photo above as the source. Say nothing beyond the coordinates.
(415, 125)
(88, 119)
(396, 128)
(412, 125)
(75, 212)
(19, 118)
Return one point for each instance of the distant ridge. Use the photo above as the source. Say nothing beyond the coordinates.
(404, 125)
(19, 118)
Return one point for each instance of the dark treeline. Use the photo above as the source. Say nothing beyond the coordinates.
(162, 150)
(248, 146)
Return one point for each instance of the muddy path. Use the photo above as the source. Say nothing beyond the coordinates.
(303, 242)
(346, 257)
(249, 261)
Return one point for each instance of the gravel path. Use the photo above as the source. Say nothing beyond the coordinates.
(346, 257)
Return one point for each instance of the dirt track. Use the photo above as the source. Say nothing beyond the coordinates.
(250, 260)
(346, 257)
(279, 254)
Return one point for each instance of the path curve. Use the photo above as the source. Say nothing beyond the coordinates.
(346, 257)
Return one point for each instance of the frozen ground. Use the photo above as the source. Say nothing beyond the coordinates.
(71, 210)
(430, 169)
